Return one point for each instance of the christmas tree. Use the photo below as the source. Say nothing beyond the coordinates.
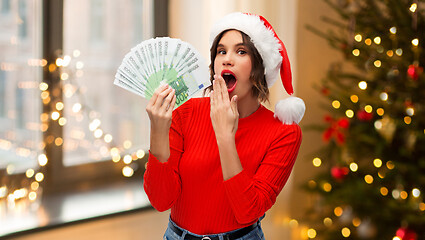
(372, 183)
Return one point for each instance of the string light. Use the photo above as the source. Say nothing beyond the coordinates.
(415, 42)
(377, 163)
(311, 233)
(416, 192)
(356, 52)
(328, 222)
(399, 52)
(358, 37)
(390, 165)
(413, 7)
(407, 120)
(393, 30)
(346, 232)
(377, 40)
(410, 111)
(368, 41)
(349, 113)
(354, 98)
(338, 211)
(327, 187)
(377, 63)
(383, 96)
(317, 162)
(336, 104)
(362, 85)
(368, 108)
(384, 191)
(354, 167)
(368, 179)
(356, 222)
(127, 171)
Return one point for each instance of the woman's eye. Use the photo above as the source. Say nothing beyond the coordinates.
(221, 52)
(241, 52)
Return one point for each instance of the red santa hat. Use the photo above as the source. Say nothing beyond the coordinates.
(274, 56)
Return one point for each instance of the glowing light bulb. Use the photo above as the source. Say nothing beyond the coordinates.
(368, 108)
(39, 177)
(410, 111)
(338, 211)
(354, 167)
(336, 104)
(42, 160)
(416, 192)
(368, 179)
(43, 86)
(29, 173)
(317, 162)
(384, 191)
(346, 232)
(377, 40)
(349, 113)
(140, 153)
(413, 7)
(358, 37)
(363, 85)
(311, 233)
(108, 138)
(415, 42)
(55, 115)
(127, 171)
(393, 30)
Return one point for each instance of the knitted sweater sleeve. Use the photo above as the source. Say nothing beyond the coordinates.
(250, 195)
(162, 182)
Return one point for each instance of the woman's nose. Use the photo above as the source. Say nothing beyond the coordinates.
(228, 59)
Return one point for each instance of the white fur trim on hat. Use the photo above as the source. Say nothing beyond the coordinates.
(290, 110)
(263, 39)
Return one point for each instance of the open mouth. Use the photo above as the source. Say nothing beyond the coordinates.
(230, 79)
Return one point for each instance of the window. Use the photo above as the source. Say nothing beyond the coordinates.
(20, 76)
(100, 115)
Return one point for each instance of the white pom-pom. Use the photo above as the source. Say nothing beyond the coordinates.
(290, 110)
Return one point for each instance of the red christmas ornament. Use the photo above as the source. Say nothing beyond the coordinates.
(364, 116)
(336, 129)
(414, 71)
(406, 234)
(339, 173)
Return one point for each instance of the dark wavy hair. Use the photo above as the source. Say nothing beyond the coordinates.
(257, 77)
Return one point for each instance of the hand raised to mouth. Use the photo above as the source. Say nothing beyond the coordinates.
(224, 112)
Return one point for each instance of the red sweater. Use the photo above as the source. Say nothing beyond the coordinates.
(191, 181)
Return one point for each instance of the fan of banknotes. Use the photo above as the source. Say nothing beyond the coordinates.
(163, 60)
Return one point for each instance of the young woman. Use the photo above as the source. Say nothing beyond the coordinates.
(219, 162)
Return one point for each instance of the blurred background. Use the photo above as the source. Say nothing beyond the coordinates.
(73, 145)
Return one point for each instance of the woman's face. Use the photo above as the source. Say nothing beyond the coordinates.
(233, 63)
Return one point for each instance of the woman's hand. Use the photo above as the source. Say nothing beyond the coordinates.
(160, 108)
(224, 118)
(224, 112)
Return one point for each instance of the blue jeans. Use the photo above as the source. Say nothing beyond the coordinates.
(255, 234)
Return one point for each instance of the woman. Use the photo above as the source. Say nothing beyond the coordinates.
(219, 162)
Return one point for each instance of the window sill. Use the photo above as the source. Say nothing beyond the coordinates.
(68, 208)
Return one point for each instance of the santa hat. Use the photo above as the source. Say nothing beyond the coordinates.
(274, 56)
